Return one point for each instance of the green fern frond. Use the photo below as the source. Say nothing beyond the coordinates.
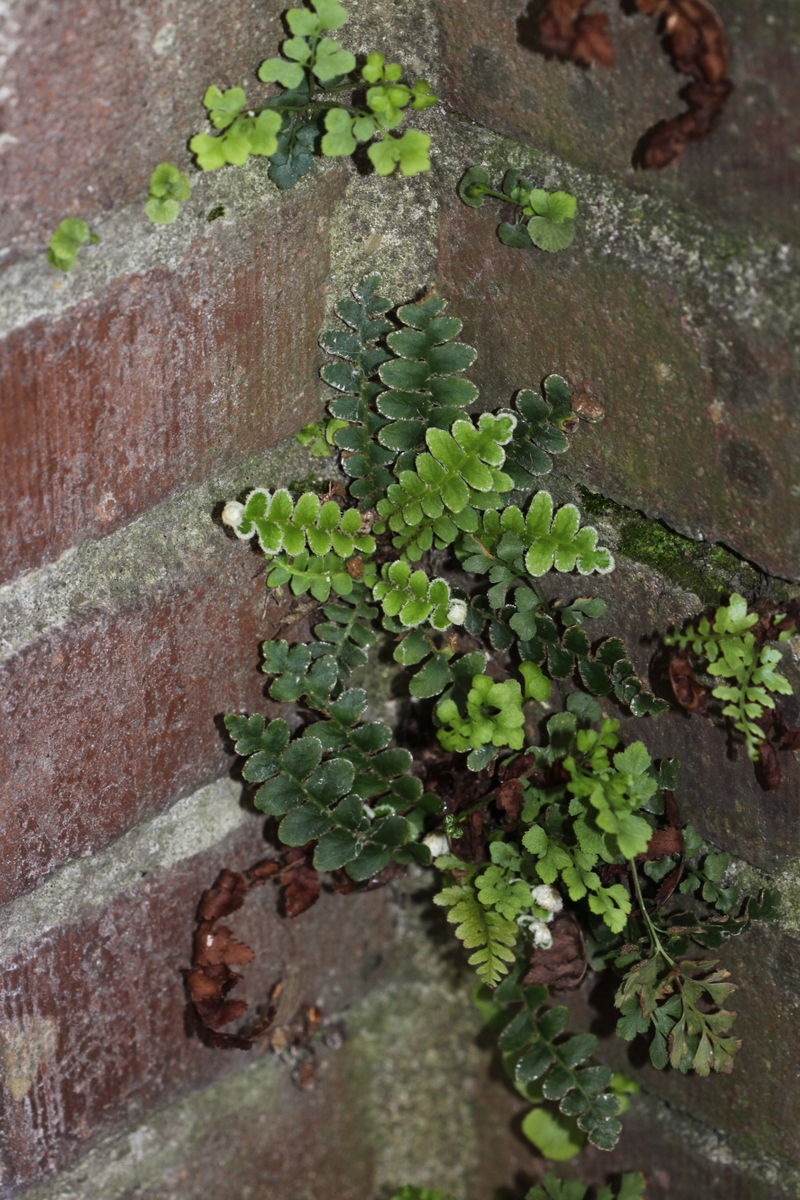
(425, 391)
(540, 432)
(729, 651)
(285, 526)
(492, 936)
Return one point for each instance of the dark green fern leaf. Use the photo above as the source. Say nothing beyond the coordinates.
(540, 432)
(534, 1043)
(424, 389)
(366, 461)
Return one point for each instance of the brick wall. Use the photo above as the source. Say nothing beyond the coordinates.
(164, 374)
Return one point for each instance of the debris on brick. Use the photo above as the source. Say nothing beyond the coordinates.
(696, 40)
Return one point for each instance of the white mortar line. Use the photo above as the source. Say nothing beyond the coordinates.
(86, 885)
(154, 551)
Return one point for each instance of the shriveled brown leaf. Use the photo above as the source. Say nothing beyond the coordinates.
(262, 871)
(508, 795)
(341, 882)
(591, 42)
(224, 898)
(663, 842)
(565, 30)
(696, 40)
(671, 810)
(564, 965)
(216, 951)
(610, 871)
(355, 567)
(587, 407)
(215, 944)
(518, 768)
(302, 889)
(205, 986)
(223, 1014)
(471, 845)
(509, 798)
(294, 872)
(690, 694)
(220, 1041)
(666, 142)
(668, 885)
(391, 871)
(768, 768)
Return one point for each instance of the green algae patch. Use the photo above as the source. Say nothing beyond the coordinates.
(710, 572)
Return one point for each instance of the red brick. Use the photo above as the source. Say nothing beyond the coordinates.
(700, 429)
(160, 379)
(745, 172)
(116, 714)
(94, 107)
(113, 986)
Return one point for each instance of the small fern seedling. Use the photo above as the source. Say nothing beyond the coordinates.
(311, 114)
(545, 219)
(168, 187)
(67, 240)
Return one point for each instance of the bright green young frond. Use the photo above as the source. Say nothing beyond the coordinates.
(494, 717)
(728, 650)
(284, 526)
(544, 219)
(409, 152)
(66, 241)
(412, 597)
(492, 936)
(168, 187)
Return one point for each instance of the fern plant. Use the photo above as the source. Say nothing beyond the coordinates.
(310, 112)
(168, 187)
(340, 783)
(729, 651)
(533, 1038)
(67, 240)
(578, 828)
(544, 219)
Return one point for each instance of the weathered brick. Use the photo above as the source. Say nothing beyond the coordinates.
(700, 428)
(408, 1097)
(117, 713)
(97, 94)
(96, 1011)
(161, 378)
(747, 172)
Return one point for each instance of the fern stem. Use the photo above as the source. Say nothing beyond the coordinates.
(655, 941)
(545, 603)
